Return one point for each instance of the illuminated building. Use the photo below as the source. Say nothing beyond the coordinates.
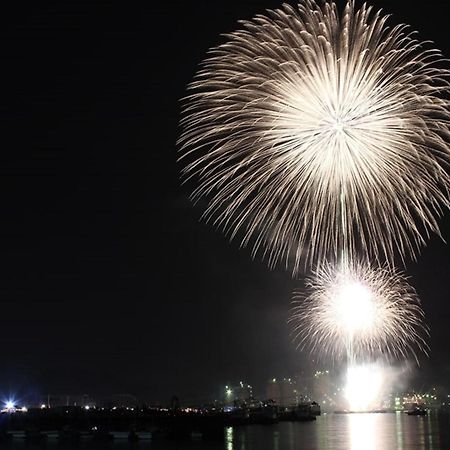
(53, 401)
(283, 391)
(237, 394)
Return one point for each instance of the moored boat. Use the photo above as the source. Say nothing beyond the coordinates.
(417, 411)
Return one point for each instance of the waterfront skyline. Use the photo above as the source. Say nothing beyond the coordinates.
(109, 281)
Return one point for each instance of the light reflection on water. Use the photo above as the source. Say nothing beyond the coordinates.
(347, 432)
(330, 432)
(363, 433)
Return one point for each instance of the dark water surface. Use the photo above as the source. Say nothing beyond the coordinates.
(330, 431)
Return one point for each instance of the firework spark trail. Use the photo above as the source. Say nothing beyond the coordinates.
(357, 312)
(308, 132)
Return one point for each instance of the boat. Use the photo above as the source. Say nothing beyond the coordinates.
(417, 411)
(304, 412)
(263, 413)
(315, 408)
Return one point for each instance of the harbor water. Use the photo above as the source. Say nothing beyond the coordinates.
(368, 431)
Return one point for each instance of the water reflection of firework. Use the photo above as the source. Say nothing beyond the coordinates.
(358, 312)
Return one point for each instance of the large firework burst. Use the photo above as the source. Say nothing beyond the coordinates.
(308, 132)
(358, 312)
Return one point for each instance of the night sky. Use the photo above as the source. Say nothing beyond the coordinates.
(108, 280)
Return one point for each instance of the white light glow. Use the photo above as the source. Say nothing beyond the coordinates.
(363, 387)
(363, 431)
(354, 305)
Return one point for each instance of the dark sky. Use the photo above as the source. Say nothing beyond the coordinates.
(108, 281)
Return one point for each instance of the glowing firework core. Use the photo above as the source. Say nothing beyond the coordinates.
(338, 126)
(354, 306)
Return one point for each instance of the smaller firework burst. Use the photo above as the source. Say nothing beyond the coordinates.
(355, 312)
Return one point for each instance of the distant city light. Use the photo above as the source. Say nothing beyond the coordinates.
(9, 405)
